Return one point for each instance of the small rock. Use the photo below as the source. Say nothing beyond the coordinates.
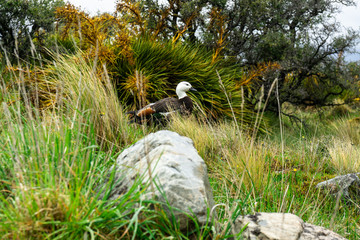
(347, 185)
(270, 226)
(313, 232)
(280, 226)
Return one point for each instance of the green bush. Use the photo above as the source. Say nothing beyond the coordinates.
(159, 66)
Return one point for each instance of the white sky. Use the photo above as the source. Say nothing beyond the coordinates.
(94, 6)
(349, 17)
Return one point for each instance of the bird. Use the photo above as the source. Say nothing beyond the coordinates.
(163, 108)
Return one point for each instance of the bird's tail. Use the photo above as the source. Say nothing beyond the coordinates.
(135, 118)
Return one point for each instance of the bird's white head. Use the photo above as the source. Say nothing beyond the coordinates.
(182, 88)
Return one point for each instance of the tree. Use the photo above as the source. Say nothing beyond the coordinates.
(301, 35)
(22, 20)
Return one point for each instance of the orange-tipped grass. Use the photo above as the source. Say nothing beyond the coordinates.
(79, 88)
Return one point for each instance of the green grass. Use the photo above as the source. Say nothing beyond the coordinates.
(279, 173)
(53, 161)
(50, 177)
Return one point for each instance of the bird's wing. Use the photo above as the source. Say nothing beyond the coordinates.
(161, 106)
(166, 105)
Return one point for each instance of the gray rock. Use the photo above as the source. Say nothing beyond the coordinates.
(280, 226)
(313, 232)
(177, 169)
(347, 185)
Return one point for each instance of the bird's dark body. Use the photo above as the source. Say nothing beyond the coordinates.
(161, 110)
(157, 111)
(183, 105)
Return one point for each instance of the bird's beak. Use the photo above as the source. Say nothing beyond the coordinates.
(193, 89)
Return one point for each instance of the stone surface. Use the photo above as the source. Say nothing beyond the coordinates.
(280, 226)
(313, 232)
(347, 185)
(270, 226)
(177, 169)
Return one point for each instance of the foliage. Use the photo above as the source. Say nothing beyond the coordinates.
(70, 84)
(160, 66)
(60, 170)
(299, 36)
(307, 72)
(145, 70)
(53, 168)
(63, 124)
(350, 74)
(104, 37)
(53, 161)
(21, 21)
(279, 172)
(163, 65)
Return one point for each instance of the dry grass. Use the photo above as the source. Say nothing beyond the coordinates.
(344, 156)
(344, 147)
(82, 88)
(34, 211)
(228, 151)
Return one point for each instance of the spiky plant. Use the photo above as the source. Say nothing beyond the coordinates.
(162, 65)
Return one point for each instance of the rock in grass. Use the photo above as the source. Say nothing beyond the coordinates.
(311, 232)
(176, 168)
(281, 226)
(346, 185)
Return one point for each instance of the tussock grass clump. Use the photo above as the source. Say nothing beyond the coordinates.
(347, 130)
(344, 146)
(344, 156)
(73, 85)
